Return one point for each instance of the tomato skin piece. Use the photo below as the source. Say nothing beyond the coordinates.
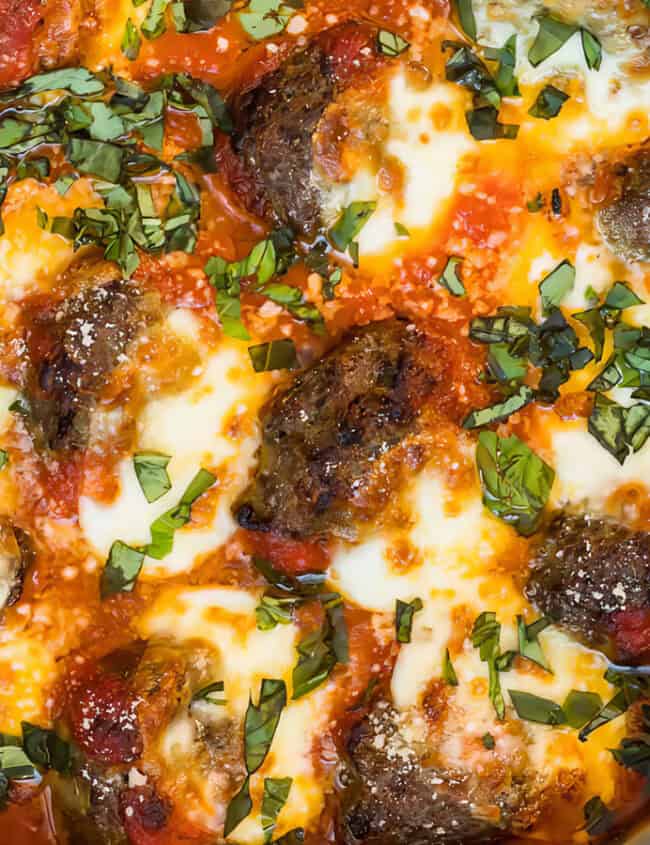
(349, 48)
(144, 815)
(632, 632)
(102, 713)
(19, 20)
(286, 554)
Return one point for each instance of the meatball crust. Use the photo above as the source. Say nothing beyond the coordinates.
(625, 223)
(325, 437)
(16, 553)
(275, 122)
(587, 572)
(393, 798)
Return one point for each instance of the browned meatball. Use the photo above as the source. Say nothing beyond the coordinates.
(16, 554)
(392, 797)
(275, 122)
(625, 223)
(324, 439)
(587, 572)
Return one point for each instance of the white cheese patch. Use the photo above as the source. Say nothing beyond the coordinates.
(428, 155)
(223, 619)
(196, 428)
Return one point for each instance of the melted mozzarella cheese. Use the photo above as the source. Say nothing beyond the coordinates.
(464, 565)
(100, 48)
(27, 673)
(209, 424)
(427, 138)
(224, 620)
(30, 257)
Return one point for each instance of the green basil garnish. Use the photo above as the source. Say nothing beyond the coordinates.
(466, 69)
(239, 807)
(634, 752)
(263, 18)
(303, 584)
(401, 231)
(506, 56)
(607, 425)
(131, 41)
(500, 411)
(273, 355)
(535, 204)
(45, 748)
(276, 793)
(630, 688)
(556, 285)
(486, 635)
(483, 124)
(293, 837)
(151, 472)
(516, 482)
(580, 707)
(465, 12)
(529, 646)
(163, 528)
(592, 49)
(316, 660)
(549, 103)
(551, 36)
(448, 671)
(451, 279)
(272, 612)
(404, 613)
(212, 693)
(199, 15)
(4, 459)
(15, 764)
(598, 817)
(391, 44)
(532, 708)
(74, 80)
(504, 366)
(121, 569)
(488, 741)
(350, 223)
(96, 158)
(154, 24)
(261, 722)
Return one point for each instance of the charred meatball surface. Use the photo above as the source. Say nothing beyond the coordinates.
(625, 223)
(324, 438)
(587, 572)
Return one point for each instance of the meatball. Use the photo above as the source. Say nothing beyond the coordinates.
(325, 440)
(391, 797)
(275, 122)
(15, 555)
(74, 347)
(625, 223)
(589, 573)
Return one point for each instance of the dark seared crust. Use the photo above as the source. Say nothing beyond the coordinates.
(322, 438)
(276, 121)
(16, 554)
(85, 336)
(392, 798)
(90, 803)
(588, 569)
(625, 223)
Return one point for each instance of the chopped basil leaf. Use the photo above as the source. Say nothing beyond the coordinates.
(4, 459)
(263, 18)
(274, 355)
(15, 764)
(556, 200)
(131, 41)
(621, 296)
(551, 36)
(593, 321)
(598, 817)
(535, 204)
(529, 646)
(272, 611)
(97, 158)
(450, 278)
(261, 722)
(532, 708)
(151, 472)
(631, 687)
(505, 367)
(465, 12)
(634, 752)
(401, 231)
(592, 49)
(506, 327)
(239, 807)
(466, 69)
(486, 634)
(163, 529)
(448, 671)
(154, 24)
(293, 837)
(121, 569)
(316, 659)
(404, 613)
(213, 694)
(580, 707)
(206, 96)
(506, 56)
(35, 168)
(516, 482)
(45, 749)
(500, 410)
(199, 15)
(488, 741)
(74, 80)
(333, 604)
(350, 223)
(483, 124)
(549, 103)
(607, 425)
(391, 44)
(276, 793)
(304, 584)
(556, 285)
